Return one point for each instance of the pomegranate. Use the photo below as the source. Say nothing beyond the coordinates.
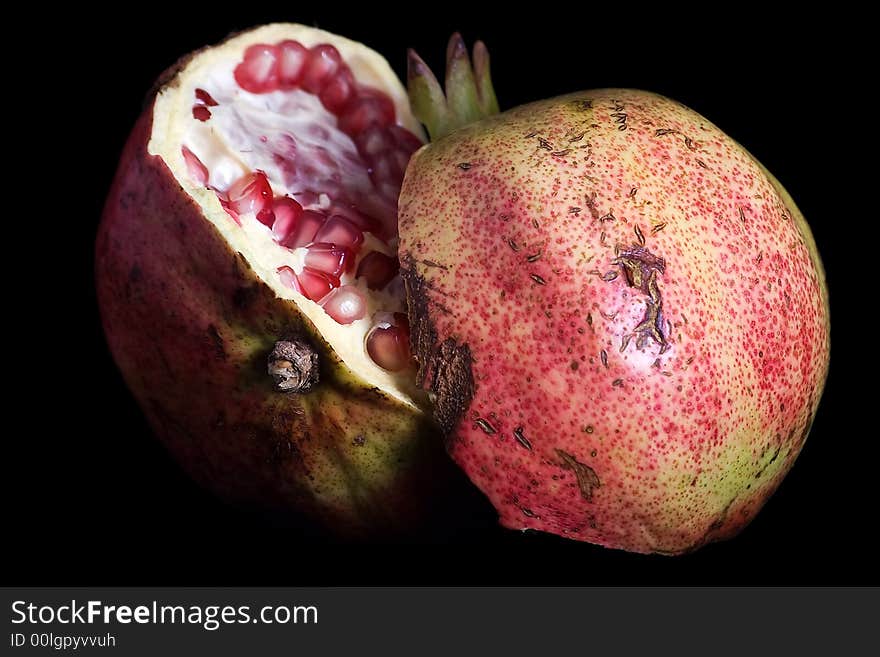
(621, 314)
(248, 279)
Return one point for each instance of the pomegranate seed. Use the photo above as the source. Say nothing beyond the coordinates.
(304, 231)
(288, 277)
(224, 203)
(373, 141)
(345, 305)
(250, 193)
(328, 258)
(338, 91)
(384, 169)
(197, 171)
(292, 57)
(316, 285)
(389, 347)
(205, 98)
(321, 65)
(373, 92)
(365, 223)
(287, 213)
(258, 73)
(338, 230)
(384, 210)
(377, 269)
(406, 141)
(364, 111)
(266, 217)
(201, 112)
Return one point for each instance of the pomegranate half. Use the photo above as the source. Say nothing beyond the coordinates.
(248, 281)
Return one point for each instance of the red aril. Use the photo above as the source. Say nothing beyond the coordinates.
(266, 216)
(404, 139)
(364, 223)
(304, 229)
(258, 73)
(288, 277)
(388, 344)
(198, 172)
(377, 269)
(374, 141)
(201, 112)
(338, 91)
(250, 193)
(321, 65)
(329, 258)
(316, 284)
(205, 98)
(287, 213)
(338, 230)
(345, 305)
(292, 57)
(368, 109)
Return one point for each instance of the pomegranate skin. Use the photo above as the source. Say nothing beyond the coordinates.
(622, 316)
(190, 327)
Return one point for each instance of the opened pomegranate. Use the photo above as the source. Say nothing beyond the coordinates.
(622, 315)
(248, 280)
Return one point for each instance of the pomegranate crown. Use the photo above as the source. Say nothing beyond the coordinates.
(469, 94)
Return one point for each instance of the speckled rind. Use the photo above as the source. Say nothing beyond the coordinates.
(652, 412)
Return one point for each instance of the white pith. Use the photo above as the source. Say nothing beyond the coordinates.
(220, 144)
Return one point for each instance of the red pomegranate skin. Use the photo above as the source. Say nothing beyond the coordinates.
(190, 327)
(622, 314)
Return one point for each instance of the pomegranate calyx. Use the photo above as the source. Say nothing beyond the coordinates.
(469, 93)
(293, 365)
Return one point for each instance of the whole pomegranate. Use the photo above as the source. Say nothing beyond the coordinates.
(621, 315)
(248, 281)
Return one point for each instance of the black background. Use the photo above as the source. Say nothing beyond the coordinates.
(93, 497)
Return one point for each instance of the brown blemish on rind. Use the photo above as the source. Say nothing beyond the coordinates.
(641, 268)
(587, 478)
(527, 512)
(444, 368)
(521, 438)
(485, 425)
(688, 142)
(770, 462)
